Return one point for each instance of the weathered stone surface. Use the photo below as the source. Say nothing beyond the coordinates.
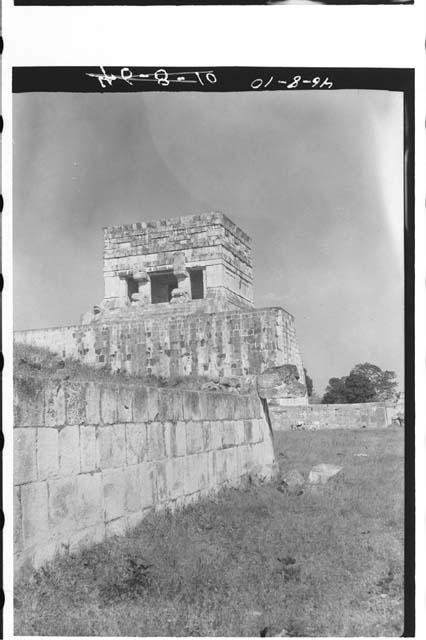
(17, 520)
(125, 404)
(321, 473)
(161, 481)
(111, 442)
(75, 400)
(196, 473)
(175, 477)
(44, 553)
(136, 442)
(229, 433)
(89, 500)
(170, 405)
(34, 512)
(280, 382)
(156, 445)
(194, 437)
(54, 404)
(86, 537)
(146, 484)
(117, 527)
(47, 452)
(28, 402)
(216, 434)
(24, 455)
(69, 451)
(114, 484)
(192, 406)
(88, 450)
(132, 490)
(145, 404)
(292, 478)
(109, 404)
(93, 403)
(62, 505)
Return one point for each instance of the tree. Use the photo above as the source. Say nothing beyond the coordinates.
(358, 388)
(335, 392)
(384, 382)
(309, 383)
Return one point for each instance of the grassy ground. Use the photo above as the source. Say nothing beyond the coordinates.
(328, 562)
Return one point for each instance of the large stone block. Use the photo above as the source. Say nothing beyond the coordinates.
(114, 483)
(24, 455)
(28, 402)
(69, 451)
(125, 404)
(88, 452)
(147, 484)
(194, 437)
(136, 444)
(62, 505)
(175, 477)
(93, 403)
(34, 513)
(192, 406)
(161, 481)
(196, 473)
(109, 404)
(170, 405)
(175, 439)
(118, 527)
(86, 537)
(216, 434)
(145, 404)
(75, 399)
(111, 442)
(132, 491)
(280, 382)
(156, 444)
(47, 453)
(54, 404)
(44, 553)
(90, 503)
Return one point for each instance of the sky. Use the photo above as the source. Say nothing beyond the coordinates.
(315, 178)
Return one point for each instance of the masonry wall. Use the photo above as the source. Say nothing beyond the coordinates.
(371, 415)
(231, 344)
(91, 459)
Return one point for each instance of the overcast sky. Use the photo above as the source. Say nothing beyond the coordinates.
(314, 177)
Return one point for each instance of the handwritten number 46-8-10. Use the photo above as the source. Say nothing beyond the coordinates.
(294, 83)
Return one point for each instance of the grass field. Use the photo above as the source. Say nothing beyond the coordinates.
(328, 562)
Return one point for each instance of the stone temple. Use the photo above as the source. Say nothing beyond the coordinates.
(178, 301)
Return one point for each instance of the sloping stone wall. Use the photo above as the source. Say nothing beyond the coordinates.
(371, 415)
(231, 344)
(90, 459)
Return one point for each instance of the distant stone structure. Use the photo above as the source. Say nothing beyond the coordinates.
(178, 301)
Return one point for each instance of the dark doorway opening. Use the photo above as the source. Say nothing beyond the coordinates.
(162, 285)
(132, 287)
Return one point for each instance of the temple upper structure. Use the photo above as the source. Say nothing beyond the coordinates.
(200, 261)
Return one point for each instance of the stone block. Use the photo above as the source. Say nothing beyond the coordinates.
(62, 505)
(28, 402)
(239, 431)
(93, 403)
(114, 484)
(134, 519)
(75, 400)
(109, 404)
(90, 504)
(136, 444)
(146, 484)
(54, 404)
(194, 437)
(34, 513)
(111, 446)
(245, 454)
(175, 477)
(192, 406)
(212, 471)
(132, 493)
(145, 404)
(260, 430)
(47, 453)
(125, 404)
(175, 439)
(24, 455)
(161, 481)
(229, 434)
(196, 473)
(170, 405)
(88, 455)
(207, 435)
(232, 464)
(17, 520)
(69, 451)
(86, 537)
(248, 431)
(216, 434)
(155, 439)
(45, 553)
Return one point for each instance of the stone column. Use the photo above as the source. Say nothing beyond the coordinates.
(183, 291)
(143, 296)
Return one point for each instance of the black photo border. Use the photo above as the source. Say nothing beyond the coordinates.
(236, 79)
